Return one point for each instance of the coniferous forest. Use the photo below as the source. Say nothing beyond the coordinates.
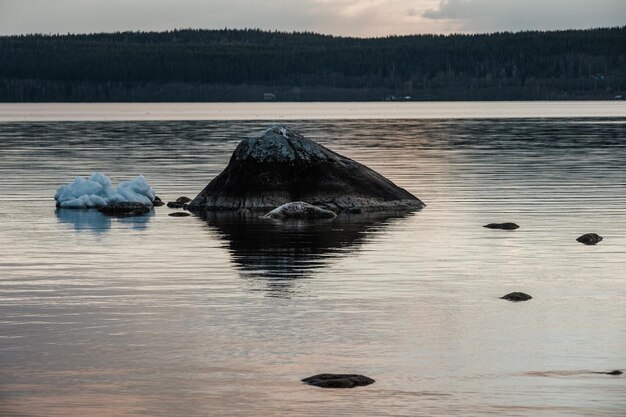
(253, 65)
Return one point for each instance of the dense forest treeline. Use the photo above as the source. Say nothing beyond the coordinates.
(252, 65)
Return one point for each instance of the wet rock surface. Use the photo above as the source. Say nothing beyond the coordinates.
(282, 166)
(301, 211)
(516, 296)
(338, 380)
(503, 226)
(175, 204)
(123, 209)
(589, 238)
(183, 200)
(157, 202)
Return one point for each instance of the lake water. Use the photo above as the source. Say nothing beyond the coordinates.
(221, 316)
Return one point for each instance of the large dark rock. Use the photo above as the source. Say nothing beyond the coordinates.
(282, 166)
(589, 239)
(338, 380)
(124, 209)
(504, 226)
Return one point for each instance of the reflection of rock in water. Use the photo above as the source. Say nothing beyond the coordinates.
(94, 221)
(282, 251)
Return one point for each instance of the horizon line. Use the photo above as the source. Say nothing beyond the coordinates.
(296, 32)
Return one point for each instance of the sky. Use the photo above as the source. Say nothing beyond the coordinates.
(363, 18)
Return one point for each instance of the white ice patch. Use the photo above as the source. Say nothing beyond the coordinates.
(97, 191)
(281, 130)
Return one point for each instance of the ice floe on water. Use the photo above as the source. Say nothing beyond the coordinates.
(98, 191)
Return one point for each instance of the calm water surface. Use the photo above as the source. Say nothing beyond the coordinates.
(221, 316)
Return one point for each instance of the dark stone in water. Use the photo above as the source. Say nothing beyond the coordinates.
(516, 296)
(282, 166)
(124, 209)
(589, 239)
(615, 372)
(338, 380)
(157, 202)
(175, 205)
(299, 210)
(183, 200)
(180, 214)
(504, 226)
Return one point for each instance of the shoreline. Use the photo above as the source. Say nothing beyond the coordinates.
(40, 112)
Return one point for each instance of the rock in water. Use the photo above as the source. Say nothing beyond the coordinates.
(179, 214)
(516, 296)
(282, 166)
(338, 381)
(124, 209)
(589, 239)
(183, 200)
(299, 210)
(504, 226)
(157, 202)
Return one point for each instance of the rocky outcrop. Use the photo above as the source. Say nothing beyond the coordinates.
(589, 238)
(503, 226)
(299, 210)
(338, 380)
(516, 296)
(123, 209)
(282, 166)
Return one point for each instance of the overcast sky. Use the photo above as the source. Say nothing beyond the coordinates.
(339, 17)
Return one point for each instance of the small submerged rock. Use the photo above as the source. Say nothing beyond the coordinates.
(179, 214)
(516, 296)
(157, 202)
(299, 210)
(338, 380)
(503, 226)
(124, 209)
(615, 372)
(589, 238)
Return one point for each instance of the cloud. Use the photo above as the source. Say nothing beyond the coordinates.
(339, 17)
(513, 15)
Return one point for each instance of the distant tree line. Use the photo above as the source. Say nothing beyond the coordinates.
(244, 65)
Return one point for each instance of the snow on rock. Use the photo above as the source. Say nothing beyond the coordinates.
(300, 210)
(98, 191)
